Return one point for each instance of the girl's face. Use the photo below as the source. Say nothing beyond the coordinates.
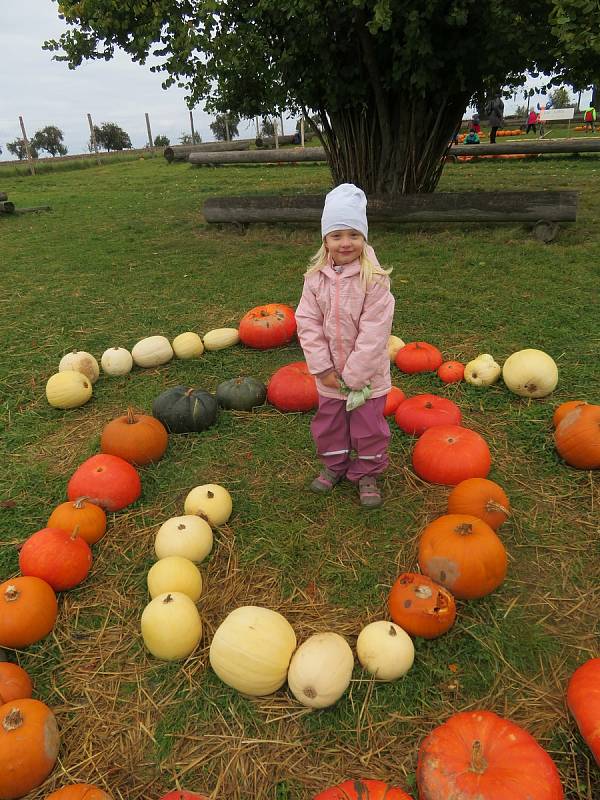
(344, 246)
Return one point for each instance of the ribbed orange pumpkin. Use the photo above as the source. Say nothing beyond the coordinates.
(577, 437)
(420, 606)
(451, 371)
(28, 610)
(392, 400)
(89, 518)
(481, 498)
(363, 789)
(583, 699)
(15, 683)
(137, 438)
(561, 411)
(60, 558)
(464, 554)
(29, 742)
(79, 791)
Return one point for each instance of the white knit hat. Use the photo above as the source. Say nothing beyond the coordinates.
(345, 208)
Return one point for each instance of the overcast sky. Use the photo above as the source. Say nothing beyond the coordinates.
(46, 92)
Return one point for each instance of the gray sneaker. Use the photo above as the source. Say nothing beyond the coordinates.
(325, 481)
(370, 496)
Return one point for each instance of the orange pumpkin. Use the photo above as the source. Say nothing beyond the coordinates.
(89, 518)
(363, 789)
(137, 438)
(420, 606)
(561, 411)
(79, 791)
(28, 610)
(15, 683)
(583, 699)
(481, 498)
(464, 554)
(392, 400)
(29, 742)
(60, 558)
(577, 437)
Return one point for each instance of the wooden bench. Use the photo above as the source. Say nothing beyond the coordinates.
(543, 210)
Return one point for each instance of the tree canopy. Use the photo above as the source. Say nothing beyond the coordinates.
(388, 81)
(50, 139)
(225, 127)
(111, 136)
(18, 148)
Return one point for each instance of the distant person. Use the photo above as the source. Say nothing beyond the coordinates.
(589, 117)
(532, 122)
(495, 112)
(472, 138)
(475, 124)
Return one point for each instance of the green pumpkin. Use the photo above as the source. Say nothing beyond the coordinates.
(241, 394)
(185, 410)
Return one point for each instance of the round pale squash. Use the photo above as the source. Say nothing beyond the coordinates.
(320, 670)
(482, 371)
(171, 626)
(530, 373)
(251, 650)
(80, 361)
(188, 345)
(116, 361)
(220, 338)
(210, 501)
(152, 351)
(189, 536)
(68, 389)
(385, 650)
(395, 343)
(175, 574)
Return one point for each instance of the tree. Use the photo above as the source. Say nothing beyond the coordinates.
(561, 98)
(267, 128)
(18, 149)
(161, 141)
(388, 81)
(50, 139)
(111, 137)
(224, 124)
(186, 138)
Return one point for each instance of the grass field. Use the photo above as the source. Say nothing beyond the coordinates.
(125, 254)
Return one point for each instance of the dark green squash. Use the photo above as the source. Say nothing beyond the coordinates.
(241, 394)
(185, 410)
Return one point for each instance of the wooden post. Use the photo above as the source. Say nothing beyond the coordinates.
(93, 138)
(227, 139)
(257, 128)
(302, 131)
(192, 127)
(281, 118)
(150, 139)
(579, 102)
(27, 147)
(274, 120)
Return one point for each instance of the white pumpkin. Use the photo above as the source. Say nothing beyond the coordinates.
(530, 373)
(251, 650)
(321, 669)
(188, 345)
(80, 361)
(221, 338)
(175, 574)
(116, 361)
(68, 389)
(188, 536)
(152, 351)
(210, 500)
(385, 650)
(395, 343)
(482, 371)
(171, 626)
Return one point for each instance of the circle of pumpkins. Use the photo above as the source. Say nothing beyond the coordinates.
(254, 650)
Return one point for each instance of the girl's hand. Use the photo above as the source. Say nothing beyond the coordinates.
(331, 381)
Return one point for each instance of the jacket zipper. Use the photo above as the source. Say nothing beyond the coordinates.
(337, 321)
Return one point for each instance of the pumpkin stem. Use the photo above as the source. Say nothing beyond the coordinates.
(168, 599)
(189, 391)
(464, 529)
(13, 720)
(428, 405)
(75, 533)
(478, 762)
(131, 418)
(80, 502)
(202, 515)
(492, 505)
(423, 592)
(310, 692)
(392, 631)
(210, 494)
(11, 593)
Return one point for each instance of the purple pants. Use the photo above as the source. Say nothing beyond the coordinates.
(338, 432)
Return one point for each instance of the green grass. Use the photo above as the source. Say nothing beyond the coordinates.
(124, 254)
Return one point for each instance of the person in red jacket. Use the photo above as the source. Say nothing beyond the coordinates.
(344, 322)
(532, 122)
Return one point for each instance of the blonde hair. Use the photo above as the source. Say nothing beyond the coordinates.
(368, 270)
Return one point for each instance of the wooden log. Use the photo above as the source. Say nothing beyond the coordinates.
(32, 209)
(270, 142)
(530, 207)
(3, 196)
(6, 207)
(527, 148)
(180, 152)
(281, 156)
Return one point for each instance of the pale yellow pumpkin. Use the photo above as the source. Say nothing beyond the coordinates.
(530, 373)
(116, 361)
(188, 536)
(171, 626)
(188, 345)
(320, 670)
(68, 389)
(80, 361)
(482, 371)
(211, 501)
(385, 650)
(152, 351)
(251, 650)
(220, 338)
(395, 343)
(175, 574)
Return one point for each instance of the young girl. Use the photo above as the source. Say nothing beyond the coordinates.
(344, 320)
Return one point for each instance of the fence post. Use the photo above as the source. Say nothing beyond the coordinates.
(27, 147)
(192, 127)
(93, 138)
(274, 121)
(226, 128)
(281, 118)
(150, 139)
(302, 131)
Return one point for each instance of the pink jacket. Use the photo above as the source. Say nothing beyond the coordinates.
(344, 328)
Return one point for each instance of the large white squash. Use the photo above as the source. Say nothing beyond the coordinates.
(68, 389)
(482, 371)
(188, 345)
(189, 536)
(220, 338)
(171, 626)
(385, 650)
(80, 361)
(175, 574)
(530, 373)
(152, 351)
(116, 361)
(395, 343)
(251, 650)
(210, 500)
(321, 669)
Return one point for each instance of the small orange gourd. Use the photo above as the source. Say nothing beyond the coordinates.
(482, 498)
(561, 411)
(137, 438)
(15, 683)
(79, 791)
(28, 610)
(577, 437)
(89, 518)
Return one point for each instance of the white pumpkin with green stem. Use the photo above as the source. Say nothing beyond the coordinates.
(321, 669)
(189, 536)
(530, 373)
(482, 371)
(80, 361)
(116, 361)
(385, 650)
(171, 626)
(68, 389)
